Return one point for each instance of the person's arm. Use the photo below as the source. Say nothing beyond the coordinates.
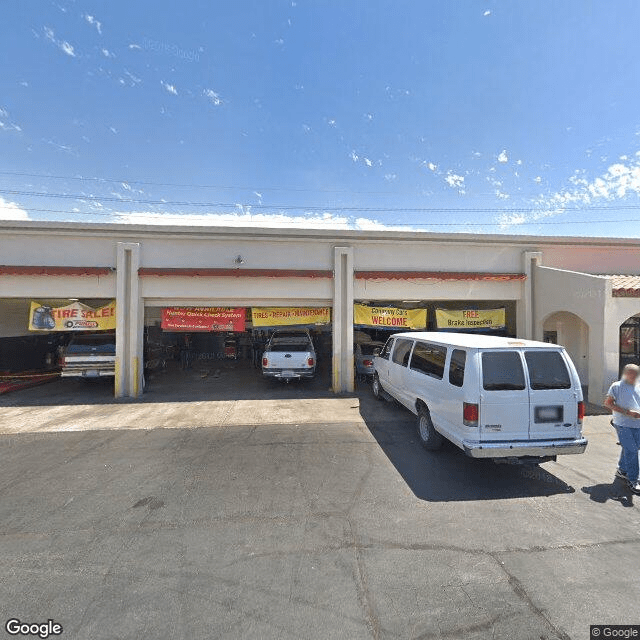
(610, 403)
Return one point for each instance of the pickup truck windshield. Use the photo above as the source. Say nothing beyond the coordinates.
(502, 371)
(283, 343)
(105, 343)
(547, 370)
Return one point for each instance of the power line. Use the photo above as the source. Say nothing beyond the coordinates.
(326, 208)
(313, 221)
(151, 183)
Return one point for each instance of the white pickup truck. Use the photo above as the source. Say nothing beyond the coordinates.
(90, 356)
(289, 355)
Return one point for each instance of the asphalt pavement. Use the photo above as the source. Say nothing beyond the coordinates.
(212, 509)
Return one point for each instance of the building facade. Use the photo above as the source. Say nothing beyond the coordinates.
(583, 293)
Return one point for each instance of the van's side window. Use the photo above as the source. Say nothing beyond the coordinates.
(386, 350)
(456, 367)
(429, 359)
(502, 371)
(402, 351)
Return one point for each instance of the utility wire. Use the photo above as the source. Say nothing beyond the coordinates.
(25, 174)
(326, 208)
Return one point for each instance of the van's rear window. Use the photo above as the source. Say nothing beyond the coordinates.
(502, 371)
(547, 370)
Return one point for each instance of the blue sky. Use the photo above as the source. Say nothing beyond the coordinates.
(480, 115)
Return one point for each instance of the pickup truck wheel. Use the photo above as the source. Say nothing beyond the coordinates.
(429, 437)
(376, 388)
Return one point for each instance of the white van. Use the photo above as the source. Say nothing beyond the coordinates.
(503, 398)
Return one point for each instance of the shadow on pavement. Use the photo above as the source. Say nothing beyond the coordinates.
(616, 491)
(448, 474)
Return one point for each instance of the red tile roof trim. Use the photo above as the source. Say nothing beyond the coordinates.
(624, 286)
(436, 275)
(235, 273)
(19, 270)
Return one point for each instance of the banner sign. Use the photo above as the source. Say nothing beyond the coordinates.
(73, 317)
(470, 319)
(286, 316)
(203, 319)
(389, 317)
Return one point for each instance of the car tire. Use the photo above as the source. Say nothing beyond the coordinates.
(429, 437)
(376, 388)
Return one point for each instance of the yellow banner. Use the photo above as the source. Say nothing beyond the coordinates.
(389, 317)
(470, 319)
(286, 316)
(73, 317)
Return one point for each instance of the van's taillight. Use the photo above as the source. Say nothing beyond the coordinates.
(580, 411)
(265, 362)
(367, 363)
(62, 361)
(310, 362)
(470, 414)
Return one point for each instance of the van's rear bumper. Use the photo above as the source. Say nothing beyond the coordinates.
(541, 448)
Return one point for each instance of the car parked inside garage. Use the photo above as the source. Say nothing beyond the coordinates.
(289, 355)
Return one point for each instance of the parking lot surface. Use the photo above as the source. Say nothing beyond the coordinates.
(291, 513)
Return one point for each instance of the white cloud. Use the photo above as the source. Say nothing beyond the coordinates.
(503, 157)
(618, 181)
(454, 181)
(511, 219)
(331, 123)
(432, 166)
(538, 179)
(354, 156)
(486, 13)
(65, 47)
(213, 97)
(11, 211)
(92, 21)
(135, 46)
(368, 162)
(5, 122)
(133, 80)
(169, 87)
(390, 177)
(107, 54)
(248, 219)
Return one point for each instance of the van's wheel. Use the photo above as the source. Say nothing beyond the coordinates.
(429, 437)
(376, 388)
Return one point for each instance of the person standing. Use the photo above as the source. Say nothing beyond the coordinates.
(623, 399)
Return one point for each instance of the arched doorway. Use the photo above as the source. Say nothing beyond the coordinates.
(572, 332)
(629, 341)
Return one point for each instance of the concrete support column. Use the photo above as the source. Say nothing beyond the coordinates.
(607, 344)
(343, 374)
(525, 312)
(129, 322)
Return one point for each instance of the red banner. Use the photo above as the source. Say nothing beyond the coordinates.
(203, 319)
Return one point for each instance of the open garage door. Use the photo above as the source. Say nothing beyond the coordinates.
(207, 351)
(37, 338)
